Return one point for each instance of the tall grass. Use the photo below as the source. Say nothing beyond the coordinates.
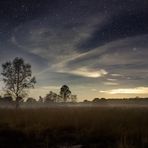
(101, 127)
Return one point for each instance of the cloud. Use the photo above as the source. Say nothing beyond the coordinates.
(116, 75)
(112, 80)
(111, 83)
(118, 58)
(88, 43)
(86, 72)
(116, 52)
(113, 60)
(94, 90)
(58, 45)
(120, 26)
(137, 90)
(56, 41)
(63, 63)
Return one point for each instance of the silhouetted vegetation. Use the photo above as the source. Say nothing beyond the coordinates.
(6, 99)
(65, 93)
(17, 76)
(31, 100)
(97, 100)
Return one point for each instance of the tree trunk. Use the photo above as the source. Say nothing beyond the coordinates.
(17, 103)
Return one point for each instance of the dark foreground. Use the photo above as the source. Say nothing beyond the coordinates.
(76, 127)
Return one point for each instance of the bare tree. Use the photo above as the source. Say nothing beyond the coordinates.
(17, 76)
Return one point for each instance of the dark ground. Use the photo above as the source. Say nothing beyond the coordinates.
(57, 127)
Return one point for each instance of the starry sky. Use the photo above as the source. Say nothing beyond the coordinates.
(99, 48)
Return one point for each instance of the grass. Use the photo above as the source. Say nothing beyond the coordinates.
(100, 127)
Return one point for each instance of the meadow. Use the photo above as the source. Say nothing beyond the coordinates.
(76, 127)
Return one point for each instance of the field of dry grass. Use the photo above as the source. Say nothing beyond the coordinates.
(100, 127)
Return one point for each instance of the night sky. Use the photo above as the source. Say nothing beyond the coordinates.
(99, 48)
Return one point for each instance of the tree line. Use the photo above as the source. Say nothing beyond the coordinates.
(18, 79)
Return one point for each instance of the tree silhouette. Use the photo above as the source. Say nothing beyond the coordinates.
(17, 76)
(65, 92)
(51, 97)
(6, 99)
(31, 100)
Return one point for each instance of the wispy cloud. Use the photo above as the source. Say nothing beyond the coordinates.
(112, 80)
(86, 72)
(116, 75)
(111, 83)
(137, 90)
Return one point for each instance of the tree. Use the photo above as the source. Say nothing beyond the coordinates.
(51, 97)
(97, 100)
(17, 76)
(31, 100)
(73, 98)
(65, 93)
(6, 99)
(41, 100)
